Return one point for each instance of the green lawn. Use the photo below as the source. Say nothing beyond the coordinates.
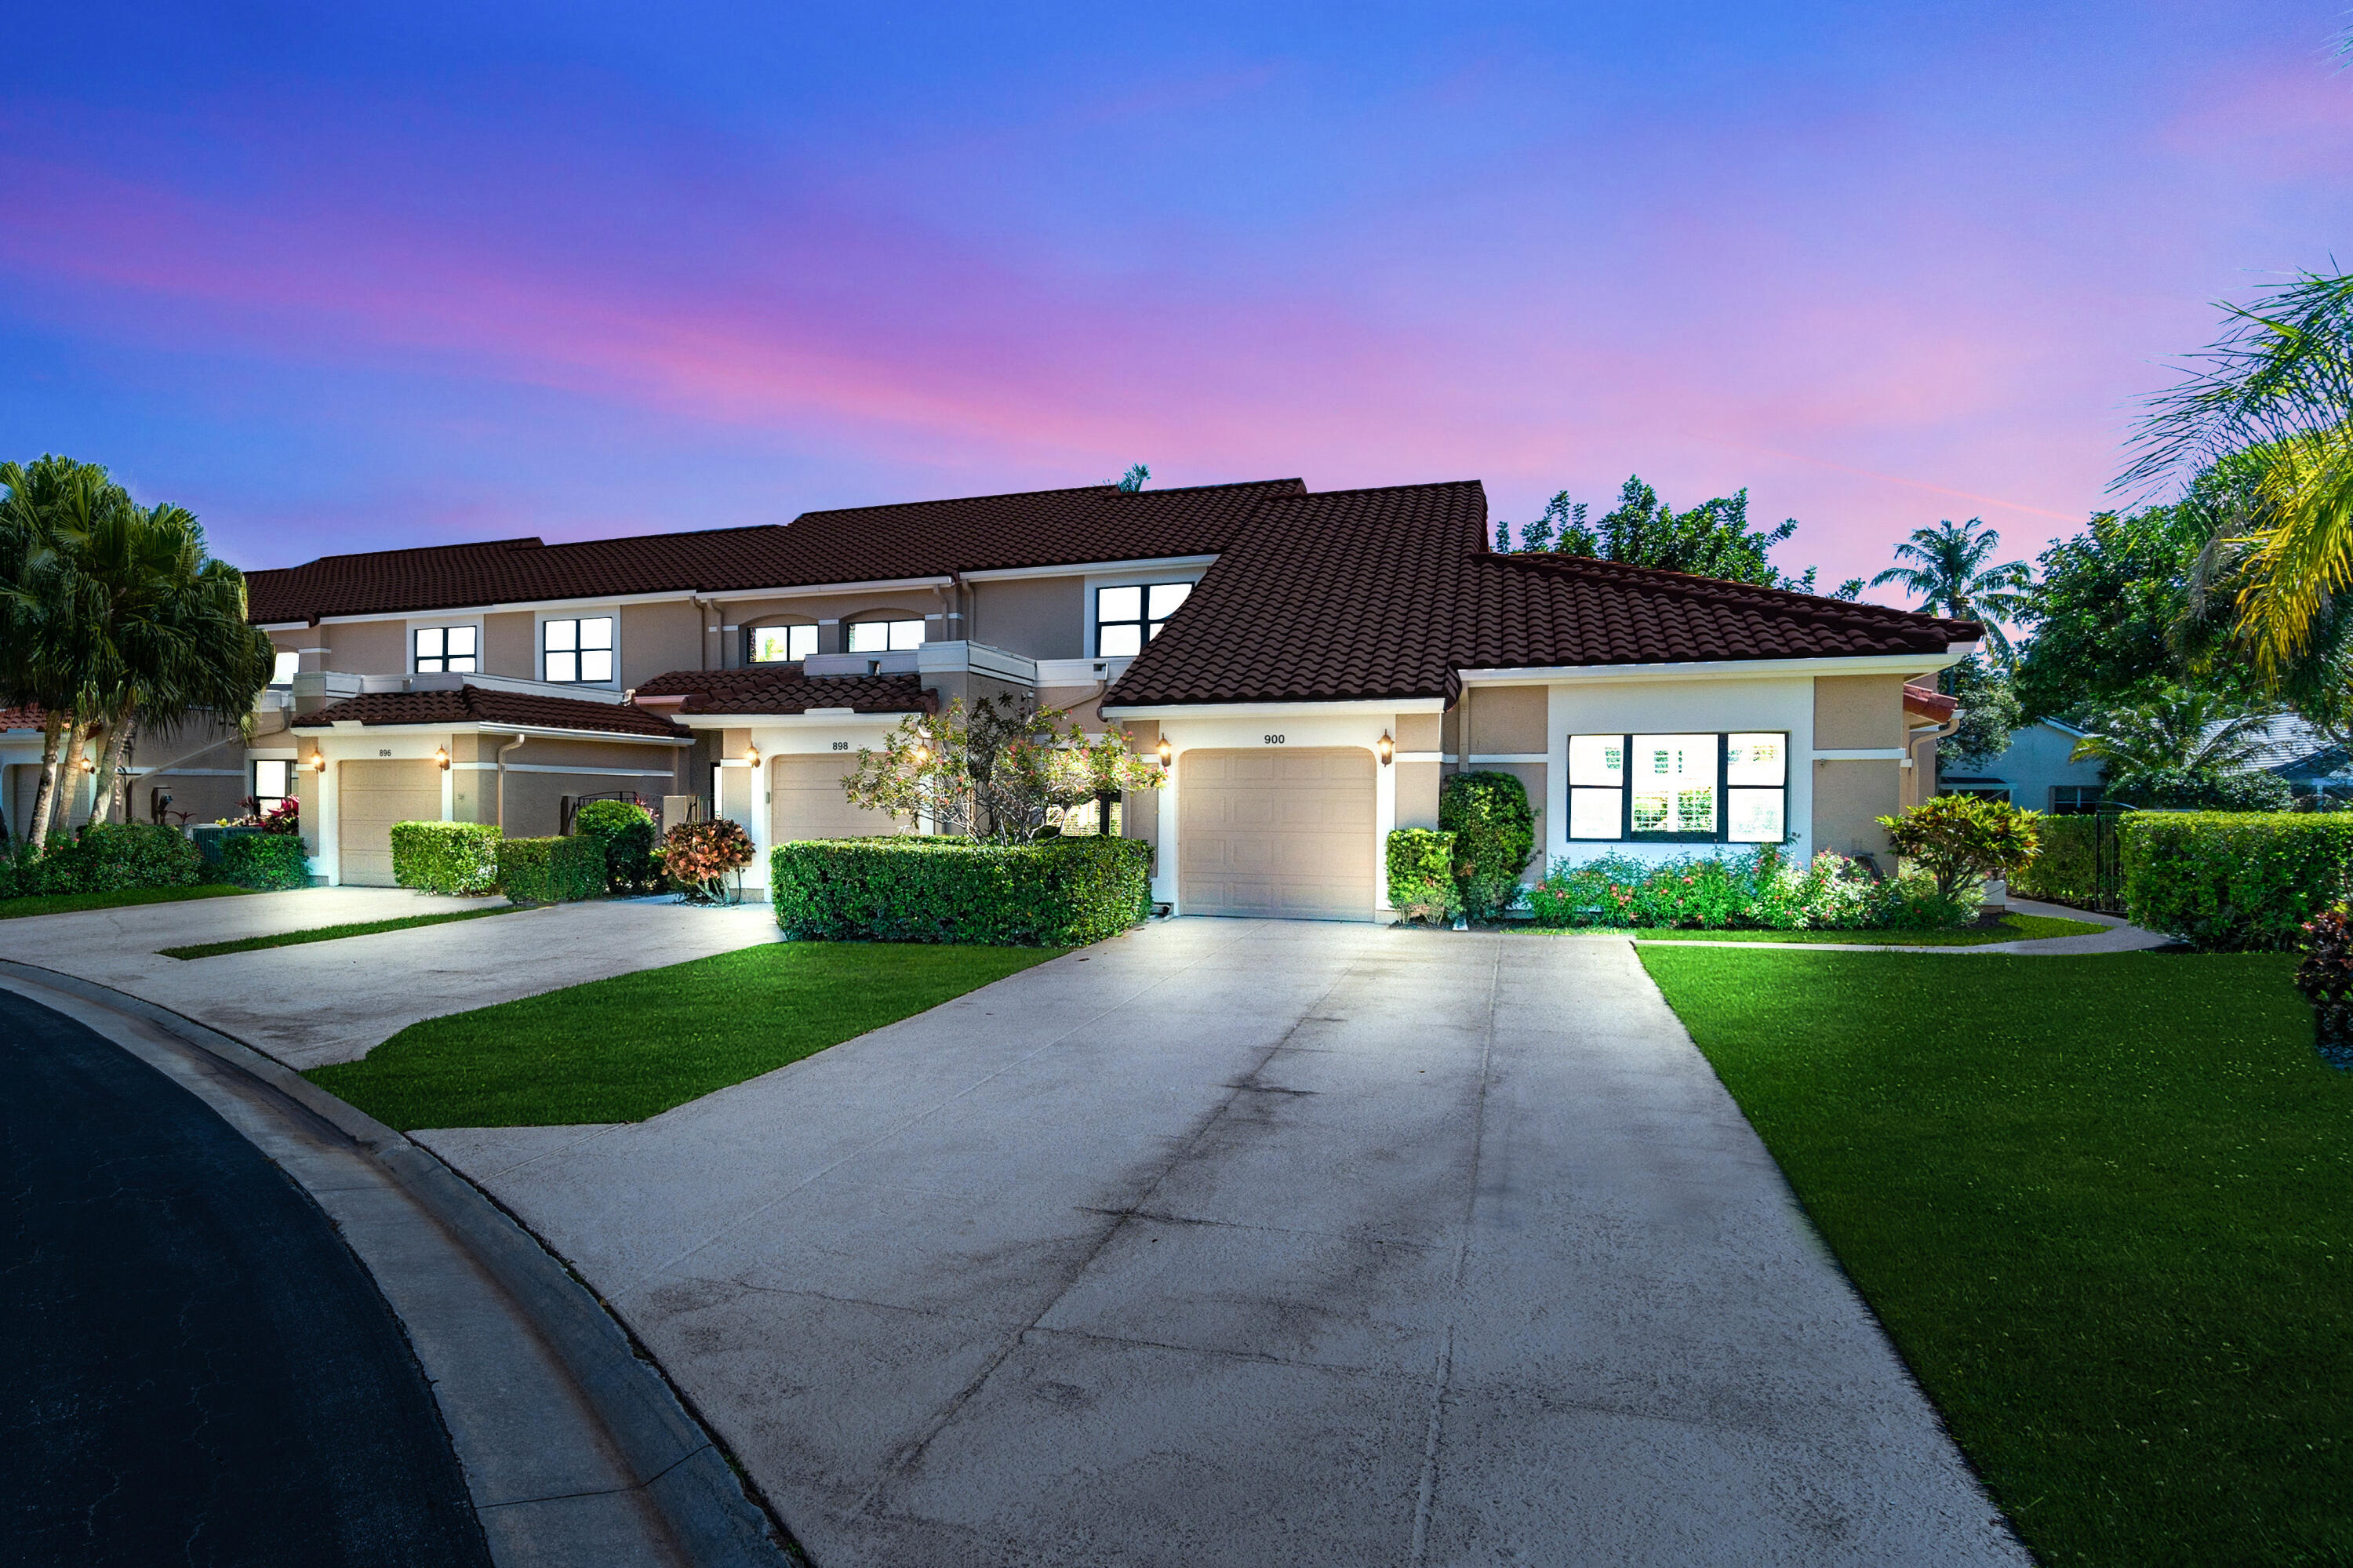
(2014, 928)
(2104, 1204)
(68, 902)
(330, 932)
(632, 1046)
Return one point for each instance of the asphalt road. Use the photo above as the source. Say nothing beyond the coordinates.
(196, 1370)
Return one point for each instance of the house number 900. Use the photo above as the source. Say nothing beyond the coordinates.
(1274, 740)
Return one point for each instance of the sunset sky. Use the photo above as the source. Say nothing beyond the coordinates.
(344, 278)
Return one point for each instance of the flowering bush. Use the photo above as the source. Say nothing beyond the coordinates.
(1760, 891)
(699, 857)
(2325, 978)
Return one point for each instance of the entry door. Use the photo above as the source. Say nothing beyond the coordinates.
(1277, 832)
(370, 797)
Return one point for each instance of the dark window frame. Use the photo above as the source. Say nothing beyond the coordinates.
(849, 632)
(263, 803)
(578, 652)
(792, 628)
(442, 661)
(1145, 624)
(1719, 834)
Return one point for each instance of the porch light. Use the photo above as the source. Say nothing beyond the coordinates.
(922, 754)
(1167, 752)
(1387, 748)
(441, 758)
(752, 756)
(318, 760)
(86, 764)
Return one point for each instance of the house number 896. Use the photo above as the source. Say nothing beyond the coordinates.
(1274, 740)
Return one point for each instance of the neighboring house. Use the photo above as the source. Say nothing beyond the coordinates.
(1313, 663)
(2033, 771)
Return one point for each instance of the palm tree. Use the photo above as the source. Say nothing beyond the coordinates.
(2181, 727)
(1950, 574)
(2272, 396)
(42, 619)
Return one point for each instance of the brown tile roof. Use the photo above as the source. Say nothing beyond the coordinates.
(1924, 702)
(1388, 593)
(783, 689)
(29, 717)
(866, 543)
(484, 705)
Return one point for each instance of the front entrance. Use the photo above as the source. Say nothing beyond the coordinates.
(1281, 832)
(370, 797)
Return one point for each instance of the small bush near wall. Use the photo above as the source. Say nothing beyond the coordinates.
(551, 870)
(1760, 891)
(1494, 833)
(446, 857)
(269, 861)
(1421, 874)
(2066, 866)
(111, 857)
(1062, 893)
(2234, 881)
(625, 829)
(701, 858)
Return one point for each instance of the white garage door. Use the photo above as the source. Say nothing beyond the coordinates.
(805, 802)
(369, 798)
(1276, 831)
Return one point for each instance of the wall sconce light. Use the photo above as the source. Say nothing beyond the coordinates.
(1167, 752)
(922, 754)
(441, 758)
(752, 756)
(86, 764)
(1387, 748)
(318, 760)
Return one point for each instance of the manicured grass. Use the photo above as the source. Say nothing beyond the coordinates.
(2013, 928)
(632, 1046)
(2102, 1205)
(330, 932)
(71, 903)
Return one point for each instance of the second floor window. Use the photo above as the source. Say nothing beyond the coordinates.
(445, 649)
(1128, 618)
(578, 650)
(782, 644)
(884, 636)
(282, 671)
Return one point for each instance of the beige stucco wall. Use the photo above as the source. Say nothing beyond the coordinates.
(917, 603)
(1417, 794)
(656, 639)
(1855, 712)
(367, 647)
(213, 753)
(1506, 719)
(1038, 618)
(508, 645)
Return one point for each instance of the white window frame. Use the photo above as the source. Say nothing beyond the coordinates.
(417, 629)
(1722, 785)
(574, 619)
(896, 620)
(1146, 624)
(794, 630)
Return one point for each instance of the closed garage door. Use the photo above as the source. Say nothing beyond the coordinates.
(369, 798)
(805, 802)
(1277, 833)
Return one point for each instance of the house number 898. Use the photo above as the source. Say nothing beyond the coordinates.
(1274, 740)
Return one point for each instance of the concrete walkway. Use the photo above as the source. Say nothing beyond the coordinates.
(1239, 1243)
(335, 1001)
(2117, 936)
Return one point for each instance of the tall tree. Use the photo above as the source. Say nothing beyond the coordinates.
(2177, 727)
(1713, 539)
(2274, 392)
(47, 649)
(1950, 574)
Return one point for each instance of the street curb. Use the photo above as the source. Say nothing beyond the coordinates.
(700, 1496)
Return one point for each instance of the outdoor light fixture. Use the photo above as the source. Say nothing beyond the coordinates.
(922, 754)
(441, 758)
(86, 764)
(1387, 748)
(1167, 752)
(752, 756)
(318, 760)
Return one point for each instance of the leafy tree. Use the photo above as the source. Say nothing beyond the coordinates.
(2179, 727)
(1949, 573)
(2106, 615)
(1960, 839)
(992, 771)
(1711, 540)
(1133, 480)
(1990, 711)
(1495, 834)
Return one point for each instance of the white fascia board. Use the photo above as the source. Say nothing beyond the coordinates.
(457, 612)
(811, 590)
(1092, 569)
(1277, 710)
(342, 727)
(790, 721)
(1725, 669)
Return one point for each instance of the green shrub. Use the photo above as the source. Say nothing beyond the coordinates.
(2203, 790)
(446, 857)
(1494, 833)
(1758, 891)
(551, 870)
(1961, 840)
(113, 856)
(269, 861)
(1062, 893)
(1421, 874)
(697, 858)
(2066, 866)
(2234, 881)
(625, 832)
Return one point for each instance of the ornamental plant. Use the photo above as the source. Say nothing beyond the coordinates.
(1421, 876)
(1495, 834)
(699, 858)
(1961, 839)
(2325, 978)
(624, 830)
(992, 772)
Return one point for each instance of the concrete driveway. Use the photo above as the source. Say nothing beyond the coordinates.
(335, 1001)
(1239, 1243)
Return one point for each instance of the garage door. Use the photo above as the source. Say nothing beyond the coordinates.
(369, 798)
(1277, 833)
(805, 802)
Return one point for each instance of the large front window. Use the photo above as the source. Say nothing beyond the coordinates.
(782, 644)
(577, 650)
(1128, 618)
(885, 636)
(1680, 789)
(446, 650)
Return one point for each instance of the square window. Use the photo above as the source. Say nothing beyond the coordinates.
(1596, 813)
(782, 644)
(1119, 604)
(597, 633)
(905, 634)
(561, 636)
(596, 664)
(1118, 641)
(1596, 759)
(1755, 816)
(576, 648)
(273, 781)
(1758, 759)
(1165, 599)
(443, 647)
(282, 671)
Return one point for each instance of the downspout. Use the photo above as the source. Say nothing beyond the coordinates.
(502, 781)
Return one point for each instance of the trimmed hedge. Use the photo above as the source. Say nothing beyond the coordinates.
(551, 870)
(2234, 882)
(626, 832)
(269, 861)
(112, 857)
(446, 857)
(2066, 866)
(1495, 834)
(1421, 873)
(1063, 893)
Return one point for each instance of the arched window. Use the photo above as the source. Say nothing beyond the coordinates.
(781, 644)
(881, 635)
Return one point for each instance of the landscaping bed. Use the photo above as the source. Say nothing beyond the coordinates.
(2008, 929)
(632, 1046)
(2100, 1205)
